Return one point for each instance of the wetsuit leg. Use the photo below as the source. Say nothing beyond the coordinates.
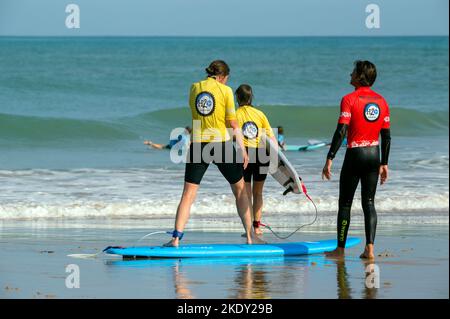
(347, 186)
(369, 181)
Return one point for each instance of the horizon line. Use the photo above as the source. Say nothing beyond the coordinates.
(224, 36)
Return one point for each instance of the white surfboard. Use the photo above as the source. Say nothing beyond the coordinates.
(280, 168)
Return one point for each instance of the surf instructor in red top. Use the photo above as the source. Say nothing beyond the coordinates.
(364, 117)
(213, 112)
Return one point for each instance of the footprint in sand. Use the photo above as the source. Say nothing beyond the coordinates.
(46, 252)
(386, 254)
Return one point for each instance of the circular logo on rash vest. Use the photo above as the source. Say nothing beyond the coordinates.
(371, 112)
(205, 103)
(250, 130)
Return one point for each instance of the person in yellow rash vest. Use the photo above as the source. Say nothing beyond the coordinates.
(213, 111)
(254, 124)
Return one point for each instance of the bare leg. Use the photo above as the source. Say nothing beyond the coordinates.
(184, 209)
(258, 203)
(244, 210)
(248, 189)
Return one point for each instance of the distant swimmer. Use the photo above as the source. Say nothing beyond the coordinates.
(364, 117)
(213, 112)
(254, 124)
(280, 138)
(184, 139)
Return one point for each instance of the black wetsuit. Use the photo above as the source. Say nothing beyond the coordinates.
(360, 163)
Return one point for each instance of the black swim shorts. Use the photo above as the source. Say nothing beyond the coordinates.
(222, 154)
(258, 165)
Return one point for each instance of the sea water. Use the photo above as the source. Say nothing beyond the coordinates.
(74, 113)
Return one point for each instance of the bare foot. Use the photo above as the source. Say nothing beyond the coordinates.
(367, 255)
(252, 239)
(337, 253)
(257, 240)
(172, 243)
(258, 231)
(368, 252)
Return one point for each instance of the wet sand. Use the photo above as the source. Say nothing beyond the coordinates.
(413, 262)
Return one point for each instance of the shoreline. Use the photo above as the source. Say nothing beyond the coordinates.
(231, 223)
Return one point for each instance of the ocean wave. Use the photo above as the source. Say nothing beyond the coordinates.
(431, 163)
(298, 121)
(47, 129)
(431, 209)
(154, 193)
(306, 121)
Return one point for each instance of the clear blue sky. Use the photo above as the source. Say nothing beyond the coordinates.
(223, 18)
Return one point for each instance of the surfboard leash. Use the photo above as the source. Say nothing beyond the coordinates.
(309, 224)
(96, 254)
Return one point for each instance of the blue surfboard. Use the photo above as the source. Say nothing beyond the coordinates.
(230, 250)
(308, 147)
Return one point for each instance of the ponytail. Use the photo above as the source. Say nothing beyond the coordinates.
(217, 67)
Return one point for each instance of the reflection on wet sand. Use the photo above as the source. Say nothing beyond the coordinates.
(181, 284)
(372, 280)
(344, 291)
(253, 279)
(250, 275)
(262, 280)
(251, 283)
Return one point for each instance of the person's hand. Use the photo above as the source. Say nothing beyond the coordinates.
(384, 172)
(326, 171)
(245, 158)
(147, 142)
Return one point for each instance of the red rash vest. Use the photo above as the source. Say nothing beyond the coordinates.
(366, 113)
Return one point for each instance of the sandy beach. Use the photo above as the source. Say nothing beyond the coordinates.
(412, 262)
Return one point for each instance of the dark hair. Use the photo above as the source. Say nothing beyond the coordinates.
(366, 72)
(280, 130)
(218, 67)
(244, 94)
(189, 129)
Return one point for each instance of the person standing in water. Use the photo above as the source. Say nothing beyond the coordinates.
(213, 110)
(281, 142)
(364, 116)
(254, 124)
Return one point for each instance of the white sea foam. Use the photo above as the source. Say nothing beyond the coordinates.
(412, 194)
(432, 209)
